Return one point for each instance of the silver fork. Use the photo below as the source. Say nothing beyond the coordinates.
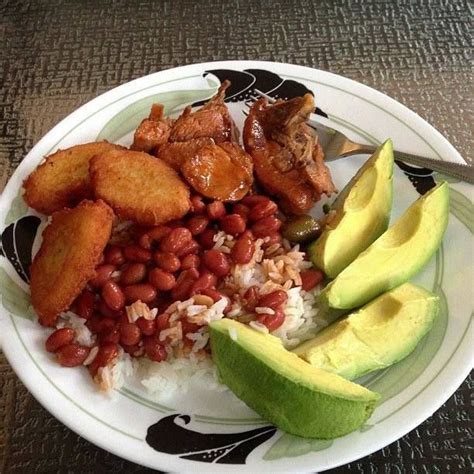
(336, 145)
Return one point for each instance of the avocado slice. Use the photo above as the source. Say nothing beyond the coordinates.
(362, 211)
(284, 389)
(394, 257)
(381, 333)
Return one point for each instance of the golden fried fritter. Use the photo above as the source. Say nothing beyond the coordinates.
(71, 249)
(139, 187)
(62, 180)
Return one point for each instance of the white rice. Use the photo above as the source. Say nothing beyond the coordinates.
(71, 320)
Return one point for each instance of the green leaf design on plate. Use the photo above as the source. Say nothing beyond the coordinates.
(17, 209)
(14, 299)
(130, 117)
(288, 446)
(462, 208)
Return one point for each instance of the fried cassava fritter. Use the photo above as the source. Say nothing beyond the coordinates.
(62, 180)
(139, 187)
(71, 249)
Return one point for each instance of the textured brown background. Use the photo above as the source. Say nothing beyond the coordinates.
(57, 55)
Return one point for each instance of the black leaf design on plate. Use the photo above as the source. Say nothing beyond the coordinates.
(421, 178)
(244, 83)
(17, 243)
(224, 448)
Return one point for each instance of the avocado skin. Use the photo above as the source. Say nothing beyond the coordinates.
(397, 255)
(362, 210)
(289, 405)
(383, 332)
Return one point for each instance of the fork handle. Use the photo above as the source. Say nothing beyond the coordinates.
(457, 170)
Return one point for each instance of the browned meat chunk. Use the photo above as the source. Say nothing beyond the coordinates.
(220, 171)
(213, 120)
(175, 154)
(153, 131)
(287, 156)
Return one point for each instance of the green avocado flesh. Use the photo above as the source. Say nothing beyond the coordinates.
(395, 256)
(284, 389)
(381, 333)
(362, 213)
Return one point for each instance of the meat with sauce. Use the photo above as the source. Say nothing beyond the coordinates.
(152, 131)
(288, 159)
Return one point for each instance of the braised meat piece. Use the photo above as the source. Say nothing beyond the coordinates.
(219, 171)
(213, 120)
(176, 153)
(152, 131)
(288, 159)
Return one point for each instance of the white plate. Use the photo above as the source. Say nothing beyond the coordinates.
(217, 427)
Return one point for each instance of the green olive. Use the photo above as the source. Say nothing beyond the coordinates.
(301, 229)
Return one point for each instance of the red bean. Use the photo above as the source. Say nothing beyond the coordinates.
(251, 297)
(106, 311)
(142, 291)
(253, 199)
(161, 280)
(147, 326)
(197, 205)
(241, 209)
(232, 224)
(153, 235)
(134, 350)
(198, 224)
(273, 300)
(85, 304)
(206, 239)
(184, 284)
(266, 226)
(189, 327)
(101, 325)
(273, 239)
(167, 261)
(206, 280)
(215, 210)
(135, 253)
(154, 350)
(59, 338)
(162, 321)
(176, 240)
(310, 279)
(112, 335)
(272, 321)
(262, 209)
(242, 250)
(107, 352)
(114, 255)
(216, 261)
(102, 274)
(133, 273)
(216, 296)
(113, 295)
(190, 248)
(72, 355)
(190, 261)
(130, 334)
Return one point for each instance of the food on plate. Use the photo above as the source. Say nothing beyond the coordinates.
(212, 120)
(361, 210)
(301, 228)
(71, 249)
(176, 153)
(376, 336)
(288, 159)
(217, 267)
(62, 180)
(292, 394)
(152, 131)
(139, 187)
(221, 171)
(396, 256)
